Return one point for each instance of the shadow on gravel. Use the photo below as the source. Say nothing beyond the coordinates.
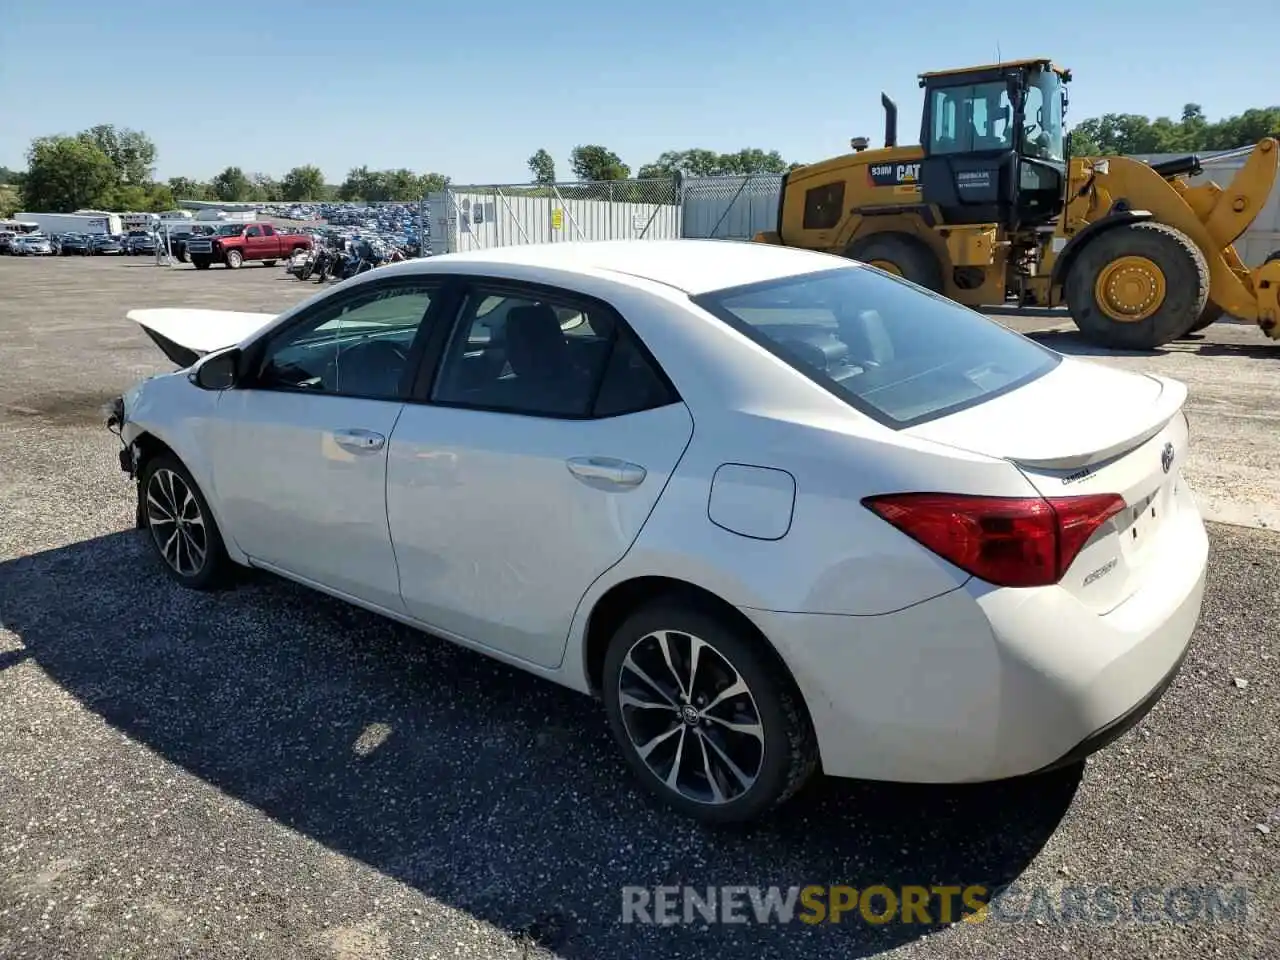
(478, 785)
(1072, 343)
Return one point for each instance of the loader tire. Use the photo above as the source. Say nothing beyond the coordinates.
(1211, 315)
(900, 254)
(1138, 286)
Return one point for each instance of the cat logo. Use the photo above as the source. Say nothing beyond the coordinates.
(893, 174)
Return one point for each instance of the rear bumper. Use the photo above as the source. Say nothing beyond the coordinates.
(983, 684)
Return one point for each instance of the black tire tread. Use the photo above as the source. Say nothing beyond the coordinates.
(1186, 285)
(911, 255)
(1211, 315)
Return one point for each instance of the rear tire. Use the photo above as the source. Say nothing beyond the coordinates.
(771, 743)
(902, 254)
(180, 525)
(268, 263)
(1211, 315)
(1180, 292)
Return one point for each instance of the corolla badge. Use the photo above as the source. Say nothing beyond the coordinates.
(1166, 457)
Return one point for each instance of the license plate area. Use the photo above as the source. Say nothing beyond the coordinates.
(1140, 521)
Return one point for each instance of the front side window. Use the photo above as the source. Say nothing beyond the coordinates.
(892, 350)
(538, 355)
(253, 232)
(1045, 136)
(356, 347)
(971, 118)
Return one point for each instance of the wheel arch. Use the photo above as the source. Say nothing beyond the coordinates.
(1117, 218)
(624, 598)
(150, 445)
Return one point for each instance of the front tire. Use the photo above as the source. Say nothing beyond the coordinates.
(234, 260)
(902, 255)
(1138, 286)
(705, 718)
(180, 525)
(1211, 315)
(201, 263)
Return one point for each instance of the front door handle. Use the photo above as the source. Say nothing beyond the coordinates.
(360, 441)
(606, 473)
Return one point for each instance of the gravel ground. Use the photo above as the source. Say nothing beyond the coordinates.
(268, 773)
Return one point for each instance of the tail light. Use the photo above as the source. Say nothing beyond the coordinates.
(1008, 542)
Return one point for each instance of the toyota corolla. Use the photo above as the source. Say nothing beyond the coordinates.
(778, 510)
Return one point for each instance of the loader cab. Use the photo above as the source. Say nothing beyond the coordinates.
(995, 146)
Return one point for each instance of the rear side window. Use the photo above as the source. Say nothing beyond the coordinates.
(896, 352)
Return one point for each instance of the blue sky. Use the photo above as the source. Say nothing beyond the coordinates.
(470, 90)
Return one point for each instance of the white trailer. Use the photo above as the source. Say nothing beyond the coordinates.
(209, 215)
(113, 219)
(57, 223)
(139, 221)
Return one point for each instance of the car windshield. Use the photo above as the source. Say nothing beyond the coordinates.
(894, 351)
(230, 229)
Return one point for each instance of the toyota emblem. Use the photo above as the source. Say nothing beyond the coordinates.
(1166, 457)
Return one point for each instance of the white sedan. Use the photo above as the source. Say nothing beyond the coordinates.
(778, 510)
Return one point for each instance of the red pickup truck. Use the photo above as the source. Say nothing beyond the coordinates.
(236, 243)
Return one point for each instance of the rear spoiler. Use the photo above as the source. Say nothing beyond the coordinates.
(184, 336)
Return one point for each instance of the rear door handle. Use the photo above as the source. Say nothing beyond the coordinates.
(358, 440)
(606, 473)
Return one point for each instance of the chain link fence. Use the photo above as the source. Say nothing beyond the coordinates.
(474, 217)
(730, 208)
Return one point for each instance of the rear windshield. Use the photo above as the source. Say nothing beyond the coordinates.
(894, 351)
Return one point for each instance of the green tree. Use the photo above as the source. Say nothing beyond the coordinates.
(303, 183)
(265, 188)
(131, 151)
(594, 162)
(542, 167)
(400, 185)
(361, 184)
(1115, 134)
(129, 198)
(10, 177)
(67, 173)
(160, 198)
(231, 185)
(700, 162)
(184, 188)
(10, 201)
(431, 183)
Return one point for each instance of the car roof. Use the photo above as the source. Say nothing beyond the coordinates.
(692, 266)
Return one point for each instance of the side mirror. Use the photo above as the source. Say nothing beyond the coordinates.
(217, 371)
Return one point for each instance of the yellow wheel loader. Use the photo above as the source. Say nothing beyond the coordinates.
(990, 207)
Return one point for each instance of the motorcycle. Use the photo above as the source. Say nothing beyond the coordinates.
(302, 264)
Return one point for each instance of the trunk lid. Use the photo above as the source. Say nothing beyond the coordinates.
(1085, 428)
(186, 335)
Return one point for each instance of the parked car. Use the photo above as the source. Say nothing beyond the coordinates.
(77, 243)
(139, 242)
(903, 542)
(108, 244)
(238, 243)
(31, 245)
